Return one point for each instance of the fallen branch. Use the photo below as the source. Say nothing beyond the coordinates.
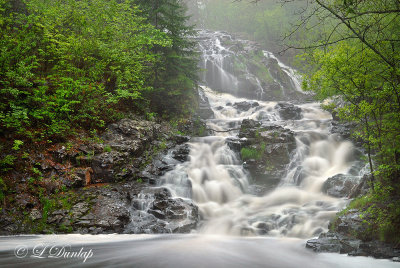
(229, 130)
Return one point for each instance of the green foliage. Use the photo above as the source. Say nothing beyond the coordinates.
(7, 162)
(69, 63)
(355, 65)
(381, 213)
(107, 148)
(17, 145)
(360, 75)
(151, 116)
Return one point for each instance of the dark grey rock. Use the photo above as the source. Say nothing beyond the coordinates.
(288, 111)
(80, 209)
(274, 146)
(248, 128)
(181, 153)
(245, 105)
(204, 110)
(179, 139)
(235, 144)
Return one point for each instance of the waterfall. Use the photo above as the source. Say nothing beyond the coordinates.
(215, 178)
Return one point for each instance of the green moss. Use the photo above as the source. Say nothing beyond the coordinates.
(252, 153)
(107, 148)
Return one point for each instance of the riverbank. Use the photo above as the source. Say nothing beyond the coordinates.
(96, 184)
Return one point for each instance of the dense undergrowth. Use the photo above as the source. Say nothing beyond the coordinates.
(70, 68)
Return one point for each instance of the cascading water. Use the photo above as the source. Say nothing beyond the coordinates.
(214, 176)
(230, 200)
(295, 78)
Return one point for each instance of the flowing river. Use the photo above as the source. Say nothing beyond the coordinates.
(245, 221)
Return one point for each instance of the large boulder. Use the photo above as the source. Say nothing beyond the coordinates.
(249, 128)
(204, 110)
(340, 185)
(244, 106)
(266, 150)
(156, 211)
(288, 111)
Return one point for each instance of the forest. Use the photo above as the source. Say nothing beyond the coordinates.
(66, 64)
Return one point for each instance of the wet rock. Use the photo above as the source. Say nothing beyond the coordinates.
(157, 213)
(363, 187)
(271, 147)
(110, 212)
(340, 185)
(94, 230)
(51, 185)
(56, 219)
(60, 154)
(343, 239)
(280, 75)
(288, 111)
(134, 129)
(106, 165)
(195, 126)
(263, 228)
(147, 177)
(204, 110)
(179, 139)
(325, 243)
(338, 243)
(244, 106)
(235, 144)
(248, 128)
(181, 153)
(128, 208)
(35, 214)
(79, 209)
(163, 213)
(344, 129)
(77, 181)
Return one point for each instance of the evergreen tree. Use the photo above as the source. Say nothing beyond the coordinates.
(175, 75)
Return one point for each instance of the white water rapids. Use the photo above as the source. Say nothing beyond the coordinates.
(220, 185)
(216, 180)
